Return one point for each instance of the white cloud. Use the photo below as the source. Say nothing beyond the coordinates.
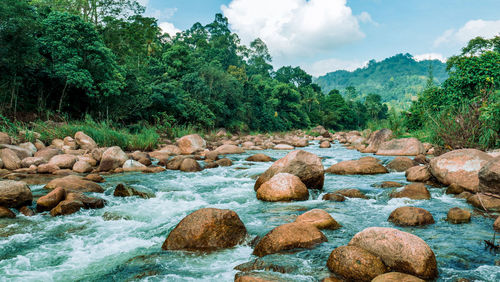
(164, 14)
(469, 31)
(294, 27)
(364, 17)
(143, 2)
(323, 67)
(169, 28)
(430, 56)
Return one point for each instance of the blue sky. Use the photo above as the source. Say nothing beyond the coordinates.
(326, 35)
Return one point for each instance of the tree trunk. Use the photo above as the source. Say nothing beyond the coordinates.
(62, 96)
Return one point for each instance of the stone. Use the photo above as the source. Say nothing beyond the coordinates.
(464, 195)
(418, 174)
(47, 153)
(224, 162)
(401, 147)
(211, 156)
(334, 197)
(5, 138)
(457, 215)
(257, 277)
(319, 218)
(325, 144)
(191, 144)
(47, 168)
(10, 160)
(84, 141)
(51, 200)
(74, 202)
(259, 158)
(6, 213)
(411, 216)
(190, 165)
(70, 143)
(127, 191)
(29, 161)
(401, 164)
(74, 183)
(175, 162)
(26, 211)
(351, 193)
(389, 184)
(20, 152)
(355, 264)
(396, 277)
(14, 194)
(64, 161)
(229, 149)
(95, 178)
(132, 165)
(414, 191)
(305, 165)
(39, 145)
(82, 167)
(489, 177)
(206, 230)
(283, 147)
(29, 147)
(461, 167)
(496, 224)
(320, 130)
(112, 158)
(454, 189)
(421, 159)
(484, 202)
(400, 251)
(376, 139)
(365, 165)
(58, 143)
(283, 187)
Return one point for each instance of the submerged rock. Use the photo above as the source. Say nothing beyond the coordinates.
(354, 263)
(319, 218)
(415, 191)
(411, 216)
(352, 193)
(125, 191)
(259, 158)
(206, 230)
(14, 194)
(366, 165)
(334, 197)
(6, 213)
(457, 215)
(389, 184)
(224, 162)
(283, 187)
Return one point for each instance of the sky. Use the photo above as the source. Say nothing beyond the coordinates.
(322, 36)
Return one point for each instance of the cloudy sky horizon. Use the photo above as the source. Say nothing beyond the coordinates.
(327, 35)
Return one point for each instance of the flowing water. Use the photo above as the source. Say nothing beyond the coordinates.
(123, 240)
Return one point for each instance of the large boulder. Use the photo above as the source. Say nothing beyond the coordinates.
(259, 158)
(191, 144)
(461, 167)
(82, 167)
(457, 215)
(127, 191)
(6, 213)
(74, 183)
(229, 149)
(14, 194)
(47, 168)
(132, 165)
(84, 141)
(207, 229)
(288, 237)
(397, 277)
(190, 165)
(30, 147)
(351, 193)
(4, 138)
(51, 200)
(401, 147)
(366, 165)
(283, 187)
(19, 151)
(325, 144)
(418, 174)
(489, 177)
(64, 161)
(320, 130)
(305, 165)
(484, 202)
(401, 251)
(401, 164)
(47, 153)
(376, 139)
(411, 216)
(283, 147)
(319, 218)
(29, 161)
(10, 160)
(112, 158)
(415, 191)
(74, 202)
(355, 263)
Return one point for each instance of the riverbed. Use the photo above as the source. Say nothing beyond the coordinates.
(122, 242)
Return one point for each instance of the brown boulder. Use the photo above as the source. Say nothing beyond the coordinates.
(397, 277)
(415, 191)
(489, 177)
(401, 147)
(454, 189)
(14, 194)
(496, 224)
(401, 164)
(283, 187)
(84, 141)
(418, 174)
(458, 215)
(191, 144)
(411, 216)
(283, 147)
(461, 167)
(190, 165)
(74, 202)
(305, 165)
(132, 165)
(112, 158)
(47, 153)
(29, 161)
(319, 218)
(25, 210)
(51, 200)
(259, 158)
(175, 162)
(354, 263)
(325, 144)
(127, 191)
(484, 202)
(401, 251)
(389, 184)
(211, 156)
(224, 162)
(229, 149)
(6, 213)
(64, 161)
(82, 167)
(10, 160)
(4, 138)
(366, 165)
(289, 236)
(205, 230)
(74, 183)
(95, 178)
(376, 139)
(20, 152)
(334, 197)
(47, 168)
(421, 159)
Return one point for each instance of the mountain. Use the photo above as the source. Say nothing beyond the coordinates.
(397, 79)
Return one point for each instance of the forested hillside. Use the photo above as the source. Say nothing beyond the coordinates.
(397, 79)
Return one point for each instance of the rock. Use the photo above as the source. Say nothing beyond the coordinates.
(229, 149)
(415, 191)
(461, 167)
(95, 178)
(131, 165)
(305, 165)
(319, 218)
(58, 143)
(14, 194)
(484, 202)
(64, 161)
(300, 142)
(205, 230)
(257, 277)
(20, 152)
(51, 200)
(489, 177)
(354, 263)
(389, 184)
(138, 155)
(190, 165)
(334, 197)
(47, 168)
(210, 164)
(1, 164)
(457, 215)
(4, 138)
(26, 211)
(454, 189)
(401, 147)
(70, 143)
(97, 153)
(320, 130)
(39, 145)
(411, 216)
(421, 159)
(397, 277)
(283, 147)
(127, 191)
(418, 174)
(6, 213)
(47, 153)
(268, 263)
(175, 162)
(74, 183)
(82, 167)
(191, 144)
(351, 193)
(224, 162)
(376, 139)
(464, 195)
(401, 164)
(283, 187)
(289, 236)
(154, 169)
(366, 165)
(325, 144)
(112, 158)
(496, 224)
(211, 156)
(29, 161)
(10, 160)
(259, 158)
(84, 141)
(400, 251)
(29, 147)
(74, 202)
